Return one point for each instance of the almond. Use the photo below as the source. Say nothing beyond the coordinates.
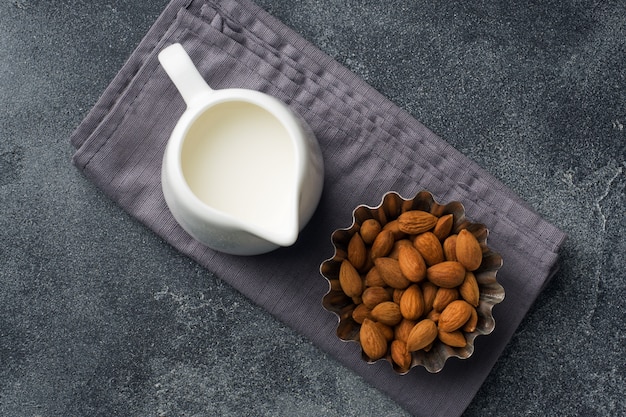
(373, 296)
(455, 315)
(429, 247)
(411, 262)
(369, 230)
(468, 251)
(369, 262)
(447, 274)
(401, 355)
(416, 221)
(429, 290)
(412, 303)
(394, 227)
(422, 335)
(395, 252)
(472, 322)
(449, 248)
(401, 330)
(443, 227)
(361, 312)
(454, 339)
(373, 278)
(382, 245)
(434, 315)
(469, 289)
(390, 272)
(350, 280)
(387, 331)
(396, 295)
(372, 340)
(346, 311)
(357, 253)
(443, 297)
(387, 313)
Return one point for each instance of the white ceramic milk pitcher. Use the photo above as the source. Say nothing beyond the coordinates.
(241, 172)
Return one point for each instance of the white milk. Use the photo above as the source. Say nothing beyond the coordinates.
(239, 159)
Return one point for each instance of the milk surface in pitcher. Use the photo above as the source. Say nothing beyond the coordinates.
(239, 159)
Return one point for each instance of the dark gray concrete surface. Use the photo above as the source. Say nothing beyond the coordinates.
(99, 317)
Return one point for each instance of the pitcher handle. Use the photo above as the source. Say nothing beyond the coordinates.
(184, 74)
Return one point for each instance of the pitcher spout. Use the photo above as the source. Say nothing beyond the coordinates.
(283, 231)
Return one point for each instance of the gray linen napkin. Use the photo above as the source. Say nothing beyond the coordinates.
(370, 146)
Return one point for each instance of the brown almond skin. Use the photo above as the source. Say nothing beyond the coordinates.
(369, 262)
(357, 253)
(373, 278)
(411, 262)
(346, 311)
(396, 295)
(454, 339)
(391, 273)
(387, 313)
(472, 322)
(446, 274)
(401, 355)
(372, 296)
(370, 228)
(422, 335)
(350, 280)
(468, 250)
(443, 297)
(395, 252)
(394, 227)
(372, 340)
(469, 289)
(455, 315)
(414, 222)
(361, 312)
(449, 248)
(429, 247)
(412, 303)
(434, 315)
(443, 227)
(387, 331)
(429, 291)
(401, 330)
(382, 245)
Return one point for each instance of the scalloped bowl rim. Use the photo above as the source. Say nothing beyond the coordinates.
(429, 361)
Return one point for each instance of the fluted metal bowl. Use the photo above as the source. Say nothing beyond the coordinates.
(392, 205)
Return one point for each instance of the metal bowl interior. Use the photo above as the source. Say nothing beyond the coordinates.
(392, 205)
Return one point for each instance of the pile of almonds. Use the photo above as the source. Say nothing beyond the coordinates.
(412, 283)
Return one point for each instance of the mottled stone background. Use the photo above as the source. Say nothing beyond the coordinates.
(99, 317)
